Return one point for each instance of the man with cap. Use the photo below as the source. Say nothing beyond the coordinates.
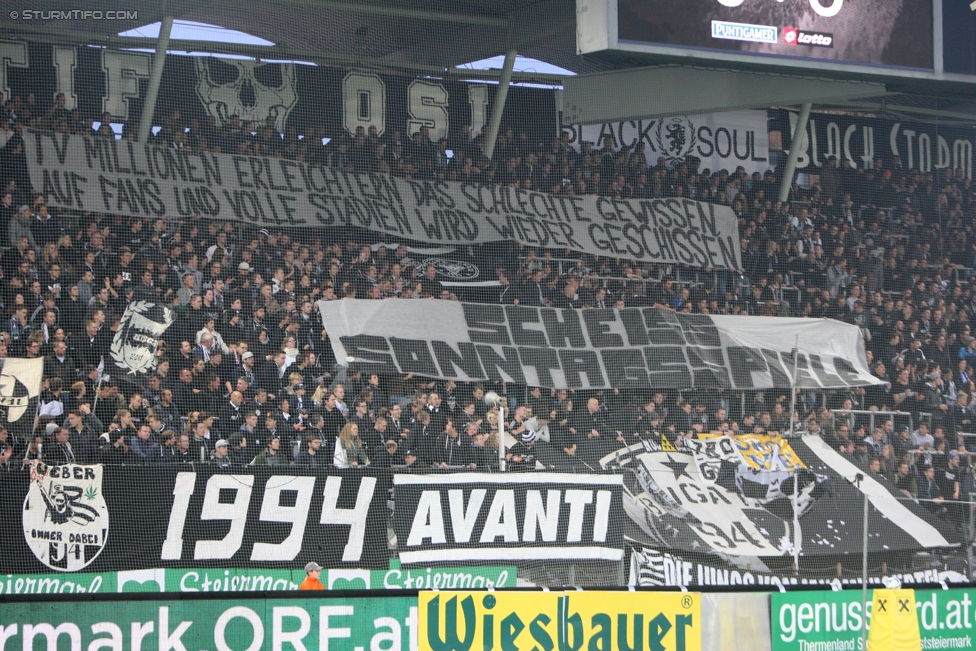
(246, 370)
(312, 573)
(221, 455)
(413, 462)
(20, 227)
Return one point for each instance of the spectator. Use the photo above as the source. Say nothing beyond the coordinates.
(271, 455)
(144, 447)
(450, 448)
(349, 451)
(929, 493)
(58, 451)
(311, 456)
(221, 456)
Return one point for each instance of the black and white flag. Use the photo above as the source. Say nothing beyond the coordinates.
(764, 496)
(137, 339)
(20, 388)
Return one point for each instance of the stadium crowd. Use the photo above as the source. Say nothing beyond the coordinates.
(246, 374)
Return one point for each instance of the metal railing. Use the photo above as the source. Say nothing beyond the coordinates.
(872, 417)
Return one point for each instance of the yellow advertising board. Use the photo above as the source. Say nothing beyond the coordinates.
(560, 621)
(894, 621)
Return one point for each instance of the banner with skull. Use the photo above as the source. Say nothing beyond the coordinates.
(303, 100)
(251, 90)
(715, 494)
(136, 341)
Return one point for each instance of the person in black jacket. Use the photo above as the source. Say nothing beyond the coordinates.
(271, 375)
(60, 364)
(183, 452)
(929, 493)
(422, 439)
(450, 449)
(380, 397)
(397, 427)
(333, 420)
(360, 416)
(479, 455)
(57, 451)
(532, 293)
(231, 414)
(594, 434)
(88, 347)
(312, 455)
(412, 462)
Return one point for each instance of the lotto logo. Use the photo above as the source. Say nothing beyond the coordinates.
(790, 35)
(816, 39)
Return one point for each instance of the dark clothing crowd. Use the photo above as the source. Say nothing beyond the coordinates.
(246, 373)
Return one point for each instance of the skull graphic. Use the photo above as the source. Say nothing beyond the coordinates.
(252, 90)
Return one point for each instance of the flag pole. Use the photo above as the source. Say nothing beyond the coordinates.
(794, 384)
(37, 418)
(796, 475)
(98, 390)
(797, 536)
(501, 437)
(864, 567)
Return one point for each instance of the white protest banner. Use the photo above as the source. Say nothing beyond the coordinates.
(722, 141)
(593, 348)
(122, 177)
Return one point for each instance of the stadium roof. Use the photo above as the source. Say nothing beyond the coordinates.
(423, 37)
(434, 37)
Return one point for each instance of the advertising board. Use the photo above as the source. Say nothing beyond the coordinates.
(818, 621)
(222, 625)
(254, 579)
(572, 620)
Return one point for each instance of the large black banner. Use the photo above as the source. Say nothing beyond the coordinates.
(508, 517)
(302, 97)
(100, 518)
(924, 146)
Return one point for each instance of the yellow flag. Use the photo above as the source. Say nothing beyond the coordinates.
(666, 444)
(894, 622)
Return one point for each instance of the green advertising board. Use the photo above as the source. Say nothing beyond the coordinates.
(388, 624)
(831, 621)
(256, 579)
